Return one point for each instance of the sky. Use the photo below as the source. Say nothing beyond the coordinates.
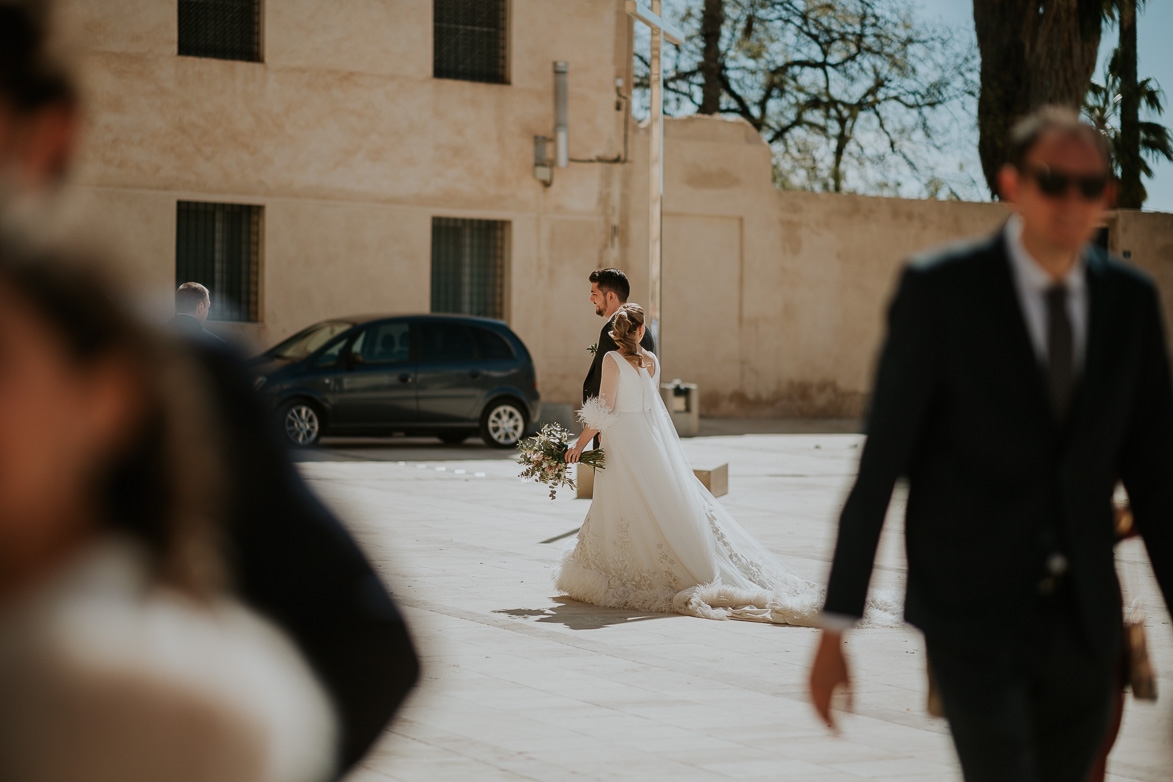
(1155, 55)
(1155, 60)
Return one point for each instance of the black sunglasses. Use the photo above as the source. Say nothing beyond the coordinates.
(1054, 183)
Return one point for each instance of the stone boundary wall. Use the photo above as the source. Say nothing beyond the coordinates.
(775, 301)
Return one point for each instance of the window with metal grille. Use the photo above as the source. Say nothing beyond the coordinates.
(222, 29)
(468, 266)
(219, 246)
(470, 40)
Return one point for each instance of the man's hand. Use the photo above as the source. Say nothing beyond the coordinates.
(828, 672)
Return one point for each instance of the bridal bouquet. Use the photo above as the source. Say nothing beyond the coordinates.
(543, 458)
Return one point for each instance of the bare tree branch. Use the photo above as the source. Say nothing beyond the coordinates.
(825, 79)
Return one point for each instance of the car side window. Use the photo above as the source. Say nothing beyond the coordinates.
(331, 356)
(447, 342)
(384, 343)
(492, 346)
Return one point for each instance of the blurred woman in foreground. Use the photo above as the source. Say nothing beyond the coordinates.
(121, 656)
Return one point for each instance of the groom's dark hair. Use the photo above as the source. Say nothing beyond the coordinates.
(612, 280)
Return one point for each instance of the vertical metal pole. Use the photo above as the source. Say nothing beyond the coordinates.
(656, 192)
(561, 124)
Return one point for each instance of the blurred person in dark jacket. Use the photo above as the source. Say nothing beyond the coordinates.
(39, 108)
(289, 556)
(123, 655)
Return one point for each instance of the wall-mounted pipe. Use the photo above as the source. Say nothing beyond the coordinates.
(561, 127)
(542, 170)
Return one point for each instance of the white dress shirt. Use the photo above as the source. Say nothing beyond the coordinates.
(1031, 282)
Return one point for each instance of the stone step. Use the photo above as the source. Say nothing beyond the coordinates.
(714, 477)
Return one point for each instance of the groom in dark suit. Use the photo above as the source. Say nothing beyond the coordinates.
(609, 292)
(1021, 377)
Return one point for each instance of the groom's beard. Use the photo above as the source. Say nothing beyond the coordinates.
(600, 311)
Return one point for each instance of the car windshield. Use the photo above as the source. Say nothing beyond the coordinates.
(306, 342)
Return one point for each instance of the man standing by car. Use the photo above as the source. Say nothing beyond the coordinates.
(193, 302)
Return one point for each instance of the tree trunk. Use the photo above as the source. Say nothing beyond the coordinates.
(1131, 194)
(1003, 65)
(711, 23)
(842, 139)
(1034, 53)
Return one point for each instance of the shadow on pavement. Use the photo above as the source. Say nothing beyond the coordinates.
(396, 449)
(430, 449)
(727, 427)
(581, 616)
(563, 536)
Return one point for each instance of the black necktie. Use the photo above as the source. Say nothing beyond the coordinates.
(1060, 350)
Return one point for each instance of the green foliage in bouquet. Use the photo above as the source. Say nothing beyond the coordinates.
(543, 458)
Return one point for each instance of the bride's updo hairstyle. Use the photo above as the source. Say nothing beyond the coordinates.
(625, 330)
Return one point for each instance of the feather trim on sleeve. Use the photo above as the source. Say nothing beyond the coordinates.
(596, 415)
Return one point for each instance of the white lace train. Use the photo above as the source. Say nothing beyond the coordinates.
(656, 540)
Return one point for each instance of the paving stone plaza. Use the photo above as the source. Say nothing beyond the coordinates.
(521, 685)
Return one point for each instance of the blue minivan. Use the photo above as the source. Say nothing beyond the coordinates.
(451, 376)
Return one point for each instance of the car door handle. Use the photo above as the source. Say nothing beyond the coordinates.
(405, 378)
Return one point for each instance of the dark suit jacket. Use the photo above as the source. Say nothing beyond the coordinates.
(995, 483)
(190, 327)
(590, 386)
(294, 562)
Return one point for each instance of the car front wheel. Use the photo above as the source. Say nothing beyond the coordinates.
(502, 424)
(301, 423)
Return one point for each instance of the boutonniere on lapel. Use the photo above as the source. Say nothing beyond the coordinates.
(593, 349)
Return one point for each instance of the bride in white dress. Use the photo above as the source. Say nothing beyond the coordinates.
(654, 538)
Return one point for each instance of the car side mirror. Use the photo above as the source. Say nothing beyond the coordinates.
(354, 360)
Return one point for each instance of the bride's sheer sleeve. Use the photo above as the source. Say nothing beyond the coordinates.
(599, 411)
(609, 385)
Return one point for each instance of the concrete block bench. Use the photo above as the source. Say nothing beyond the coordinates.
(714, 477)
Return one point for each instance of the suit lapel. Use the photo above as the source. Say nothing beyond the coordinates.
(1101, 308)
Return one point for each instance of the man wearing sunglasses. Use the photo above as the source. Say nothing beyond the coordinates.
(1021, 376)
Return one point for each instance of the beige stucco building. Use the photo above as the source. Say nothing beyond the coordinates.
(356, 154)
